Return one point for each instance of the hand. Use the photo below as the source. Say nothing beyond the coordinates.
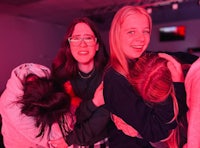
(68, 88)
(75, 101)
(174, 67)
(123, 126)
(58, 143)
(98, 99)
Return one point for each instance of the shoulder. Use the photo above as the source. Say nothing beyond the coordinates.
(193, 73)
(194, 67)
(111, 74)
(115, 80)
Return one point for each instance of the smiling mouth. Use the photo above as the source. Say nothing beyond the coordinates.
(137, 47)
(83, 52)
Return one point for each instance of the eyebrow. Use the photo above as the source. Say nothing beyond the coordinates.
(84, 35)
(135, 28)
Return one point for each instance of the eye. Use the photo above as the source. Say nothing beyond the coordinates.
(75, 38)
(146, 31)
(88, 38)
(131, 32)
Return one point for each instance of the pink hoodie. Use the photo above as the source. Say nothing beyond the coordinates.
(18, 129)
(192, 85)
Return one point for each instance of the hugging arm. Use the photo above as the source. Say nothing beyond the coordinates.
(121, 100)
(88, 131)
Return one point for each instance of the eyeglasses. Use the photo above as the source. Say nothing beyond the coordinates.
(76, 40)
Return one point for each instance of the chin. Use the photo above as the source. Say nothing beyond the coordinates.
(137, 55)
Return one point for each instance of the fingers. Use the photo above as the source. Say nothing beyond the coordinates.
(52, 144)
(170, 59)
(174, 67)
(166, 56)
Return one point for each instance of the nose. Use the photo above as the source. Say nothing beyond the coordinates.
(139, 37)
(83, 43)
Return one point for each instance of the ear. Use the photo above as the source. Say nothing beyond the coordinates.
(97, 47)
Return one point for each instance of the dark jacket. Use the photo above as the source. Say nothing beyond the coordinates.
(151, 123)
(92, 122)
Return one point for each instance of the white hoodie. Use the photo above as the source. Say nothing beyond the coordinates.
(192, 86)
(18, 129)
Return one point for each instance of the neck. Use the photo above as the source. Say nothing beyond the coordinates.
(86, 68)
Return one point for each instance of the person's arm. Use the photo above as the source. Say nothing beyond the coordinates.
(120, 99)
(174, 67)
(181, 98)
(178, 79)
(91, 120)
(123, 126)
(86, 108)
(90, 130)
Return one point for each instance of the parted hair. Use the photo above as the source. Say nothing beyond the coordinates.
(42, 102)
(151, 79)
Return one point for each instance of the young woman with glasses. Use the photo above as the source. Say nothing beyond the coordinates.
(80, 63)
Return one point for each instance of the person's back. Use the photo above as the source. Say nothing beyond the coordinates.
(19, 127)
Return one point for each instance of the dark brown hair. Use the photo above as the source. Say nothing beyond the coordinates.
(42, 102)
(64, 66)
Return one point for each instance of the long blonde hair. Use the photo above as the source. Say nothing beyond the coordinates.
(117, 58)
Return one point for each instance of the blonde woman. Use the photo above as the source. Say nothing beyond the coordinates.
(129, 38)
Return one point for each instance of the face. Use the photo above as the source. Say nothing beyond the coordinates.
(134, 35)
(84, 46)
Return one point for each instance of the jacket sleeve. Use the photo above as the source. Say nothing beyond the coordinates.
(90, 128)
(85, 110)
(152, 123)
(181, 98)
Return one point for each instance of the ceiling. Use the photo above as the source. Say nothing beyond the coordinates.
(63, 11)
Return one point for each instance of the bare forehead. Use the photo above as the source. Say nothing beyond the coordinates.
(82, 28)
(135, 18)
(135, 15)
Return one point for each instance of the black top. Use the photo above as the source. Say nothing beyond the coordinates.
(92, 122)
(151, 123)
